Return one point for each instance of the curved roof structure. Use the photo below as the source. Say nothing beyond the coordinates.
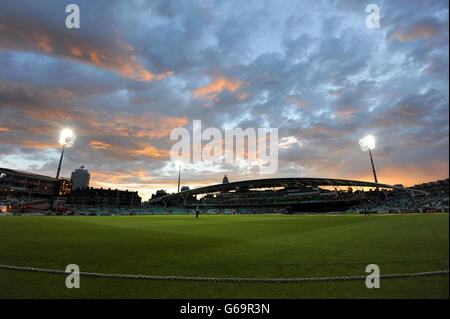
(27, 174)
(271, 182)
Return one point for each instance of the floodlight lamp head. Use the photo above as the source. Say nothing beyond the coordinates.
(67, 137)
(367, 143)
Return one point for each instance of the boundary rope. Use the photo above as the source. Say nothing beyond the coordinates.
(213, 279)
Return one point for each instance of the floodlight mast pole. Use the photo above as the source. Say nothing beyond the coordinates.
(373, 168)
(179, 177)
(60, 161)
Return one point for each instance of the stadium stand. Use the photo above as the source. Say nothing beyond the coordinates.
(436, 199)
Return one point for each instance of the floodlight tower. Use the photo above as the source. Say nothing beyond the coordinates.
(66, 139)
(368, 144)
(179, 174)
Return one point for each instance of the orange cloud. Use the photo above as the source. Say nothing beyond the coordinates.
(425, 30)
(124, 45)
(242, 96)
(124, 64)
(141, 125)
(110, 177)
(218, 85)
(34, 143)
(75, 51)
(162, 76)
(150, 151)
(100, 145)
(116, 55)
(141, 174)
(44, 42)
(41, 111)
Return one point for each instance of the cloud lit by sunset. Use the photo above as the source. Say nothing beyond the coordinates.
(136, 70)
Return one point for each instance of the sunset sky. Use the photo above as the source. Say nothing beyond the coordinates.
(135, 70)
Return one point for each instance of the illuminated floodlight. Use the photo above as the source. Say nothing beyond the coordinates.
(178, 164)
(67, 137)
(367, 143)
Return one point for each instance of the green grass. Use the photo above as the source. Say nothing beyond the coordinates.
(225, 246)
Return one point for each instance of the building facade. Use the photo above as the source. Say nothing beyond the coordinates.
(99, 197)
(24, 191)
(80, 178)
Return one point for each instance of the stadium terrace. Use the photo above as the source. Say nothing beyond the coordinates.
(288, 195)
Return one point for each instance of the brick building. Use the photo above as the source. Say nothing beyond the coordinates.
(99, 197)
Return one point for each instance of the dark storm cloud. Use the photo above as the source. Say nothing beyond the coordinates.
(137, 69)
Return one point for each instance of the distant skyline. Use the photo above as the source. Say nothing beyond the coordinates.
(135, 70)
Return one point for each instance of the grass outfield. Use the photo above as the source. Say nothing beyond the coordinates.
(225, 246)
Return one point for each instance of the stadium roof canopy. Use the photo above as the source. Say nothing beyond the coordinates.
(26, 174)
(271, 182)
